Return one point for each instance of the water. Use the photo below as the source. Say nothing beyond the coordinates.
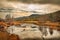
(32, 31)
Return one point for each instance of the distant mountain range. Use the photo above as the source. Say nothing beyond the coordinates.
(36, 17)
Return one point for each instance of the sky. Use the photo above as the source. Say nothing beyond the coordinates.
(20, 8)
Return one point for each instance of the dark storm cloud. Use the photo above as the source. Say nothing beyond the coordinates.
(39, 1)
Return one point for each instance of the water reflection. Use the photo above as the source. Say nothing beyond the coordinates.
(32, 29)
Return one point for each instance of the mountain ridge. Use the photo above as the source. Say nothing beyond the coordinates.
(36, 17)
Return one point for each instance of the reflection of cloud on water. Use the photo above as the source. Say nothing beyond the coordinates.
(32, 31)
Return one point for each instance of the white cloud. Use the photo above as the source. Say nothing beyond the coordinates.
(21, 9)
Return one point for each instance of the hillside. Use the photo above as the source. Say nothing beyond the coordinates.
(36, 17)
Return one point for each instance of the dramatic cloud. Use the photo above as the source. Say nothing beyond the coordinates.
(26, 8)
(39, 1)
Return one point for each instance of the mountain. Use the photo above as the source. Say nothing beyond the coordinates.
(54, 17)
